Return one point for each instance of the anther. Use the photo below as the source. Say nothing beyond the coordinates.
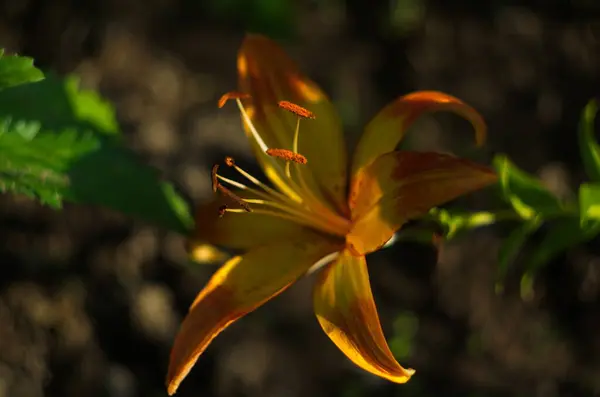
(215, 180)
(234, 197)
(222, 210)
(287, 155)
(231, 95)
(296, 109)
(229, 161)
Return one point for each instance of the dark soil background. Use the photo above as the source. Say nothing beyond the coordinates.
(90, 300)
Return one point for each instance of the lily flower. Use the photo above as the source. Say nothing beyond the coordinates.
(323, 208)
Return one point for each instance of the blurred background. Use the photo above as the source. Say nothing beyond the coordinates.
(90, 300)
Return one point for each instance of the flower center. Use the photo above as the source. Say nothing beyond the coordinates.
(298, 203)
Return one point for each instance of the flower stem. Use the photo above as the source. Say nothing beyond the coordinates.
(453, 223)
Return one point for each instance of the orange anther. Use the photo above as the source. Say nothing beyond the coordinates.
(296, 109)
(231, 95)
(287, 155)
(215, 180)
(229, 161)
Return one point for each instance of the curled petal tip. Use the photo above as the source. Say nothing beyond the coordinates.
(389, 127)
(420, 102)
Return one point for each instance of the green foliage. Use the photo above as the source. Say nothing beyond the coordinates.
(568, 224)
(58, 142)
(565, 224)
(589, 202)
(562, 234)
(526, 194)
(511, 246)
(15, 70)
(455, 222)
(589, 148)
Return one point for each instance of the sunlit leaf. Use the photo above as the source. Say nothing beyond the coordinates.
(454, 222)
(590, 150)
(523, 191)
(16, 70)
(510, 248)
(589, 202)
(58, 104)
(59, 143)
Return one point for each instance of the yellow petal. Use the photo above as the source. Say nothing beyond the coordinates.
(388, 127)
(239, 230)
(204, 253)
(401, 185)
(346, 310)
(237, 288)
(269, 76)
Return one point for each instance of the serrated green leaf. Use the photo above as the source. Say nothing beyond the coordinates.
(16, 70)
(524, 192)
(59, 104)
(589, 202)
(510, 248)
(563, 234)
(588, 146)
(57, 142)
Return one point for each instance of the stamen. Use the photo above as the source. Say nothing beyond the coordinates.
(231, 95)
(298, 204)
(248, 121)
(215, 180)
(233, 183)
(234, 210)
(287, 155)
(273, 203)
(234, 197)
(296, 109)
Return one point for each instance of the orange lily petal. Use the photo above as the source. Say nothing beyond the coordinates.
(388, 127)
(401, 185)
(346, 310)
(239, 231)
(237, 288)
(269, 76)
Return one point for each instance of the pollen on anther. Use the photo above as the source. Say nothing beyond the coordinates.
(229, 161)
(231, 95)
(215, 180)
(287, 155)
(296, 109)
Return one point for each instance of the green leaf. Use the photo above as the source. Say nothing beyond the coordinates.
(454, 222)
(511, 247)
(590, 150)
(59, 104)
(524, 192)
(589, 202)
(59, 143)
(563, 234)
(15, 70)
